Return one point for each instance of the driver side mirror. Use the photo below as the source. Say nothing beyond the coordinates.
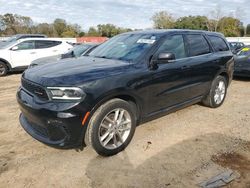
(14, 48)
(166, 56)
(162, 58)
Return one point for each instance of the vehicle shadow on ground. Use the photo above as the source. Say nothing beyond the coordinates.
(14, 73)
(184, 164)
(244, 79)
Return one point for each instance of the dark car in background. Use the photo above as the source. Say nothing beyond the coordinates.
(77, 51)
(242, 63)
(132, 78)
(236, 46)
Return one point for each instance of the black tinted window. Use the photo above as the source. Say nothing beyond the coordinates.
(218, 43)
(46, 44)
(197, 45)
(173, 44)
(26, 45)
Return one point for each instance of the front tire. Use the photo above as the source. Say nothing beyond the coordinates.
(3, 69)
(217, 93)
(112, 127)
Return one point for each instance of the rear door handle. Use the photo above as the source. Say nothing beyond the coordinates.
(32, 52)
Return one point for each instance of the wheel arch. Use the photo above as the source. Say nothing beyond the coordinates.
(101, 100)
(126, 96)
(7, 63)
(225, 75)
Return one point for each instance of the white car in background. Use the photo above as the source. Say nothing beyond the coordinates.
(19, 54)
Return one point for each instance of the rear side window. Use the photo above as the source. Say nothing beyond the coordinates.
(173, 44)
(197, 45)
(218, 43)
(46, 44)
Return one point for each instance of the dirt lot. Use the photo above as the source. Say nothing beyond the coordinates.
(178, 150)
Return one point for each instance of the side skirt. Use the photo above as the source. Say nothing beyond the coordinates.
(170, 109)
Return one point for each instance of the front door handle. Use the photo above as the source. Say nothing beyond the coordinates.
(32, 52)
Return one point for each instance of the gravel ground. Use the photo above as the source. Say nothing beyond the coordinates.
(181, 149)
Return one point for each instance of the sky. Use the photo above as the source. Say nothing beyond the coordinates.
(135, 14)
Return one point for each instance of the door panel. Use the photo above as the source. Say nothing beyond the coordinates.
(24, 54)
(171, 85)
(23, 57)
(181, 80)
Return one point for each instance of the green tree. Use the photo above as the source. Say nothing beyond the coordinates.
(71, 31)
(12, 24)
(93, 32)
(230, 27)
(107, 30)
(9, 22)
(192, 22)
(242, 30)
(163, 20)
(248, 30)
(81, 34)
(60, 26)
(46, 29)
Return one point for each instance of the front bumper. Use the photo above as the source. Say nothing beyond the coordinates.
(55, 124)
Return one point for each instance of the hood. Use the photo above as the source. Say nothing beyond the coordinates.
(73, 72)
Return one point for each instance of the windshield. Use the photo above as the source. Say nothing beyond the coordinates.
(125, 47)
(6, 44)
(11, 39)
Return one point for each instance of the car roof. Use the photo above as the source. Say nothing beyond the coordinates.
(33, 38)
(20, 35)
(168, 31)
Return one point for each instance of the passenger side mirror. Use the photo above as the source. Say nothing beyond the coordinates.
(14, 48)
(73, 54)
(166, 56)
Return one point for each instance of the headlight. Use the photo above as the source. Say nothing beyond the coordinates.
(65, 93)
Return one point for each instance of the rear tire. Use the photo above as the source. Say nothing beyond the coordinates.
(112, 127)
(217, 93)
(3, 69)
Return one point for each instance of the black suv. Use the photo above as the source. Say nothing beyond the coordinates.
(132, 78)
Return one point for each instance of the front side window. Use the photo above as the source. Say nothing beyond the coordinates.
(197, 45)
(173, 44)
(127, 47)
(26, 45)
(218, 43)
(40, 44)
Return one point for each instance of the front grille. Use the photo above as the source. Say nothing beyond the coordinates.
(35, 89)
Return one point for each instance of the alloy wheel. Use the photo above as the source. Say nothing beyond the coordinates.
(220, 91)
(2, 69)
(115, 128)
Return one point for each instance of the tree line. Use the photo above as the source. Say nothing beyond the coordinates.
(228, 25)
(11, 24)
